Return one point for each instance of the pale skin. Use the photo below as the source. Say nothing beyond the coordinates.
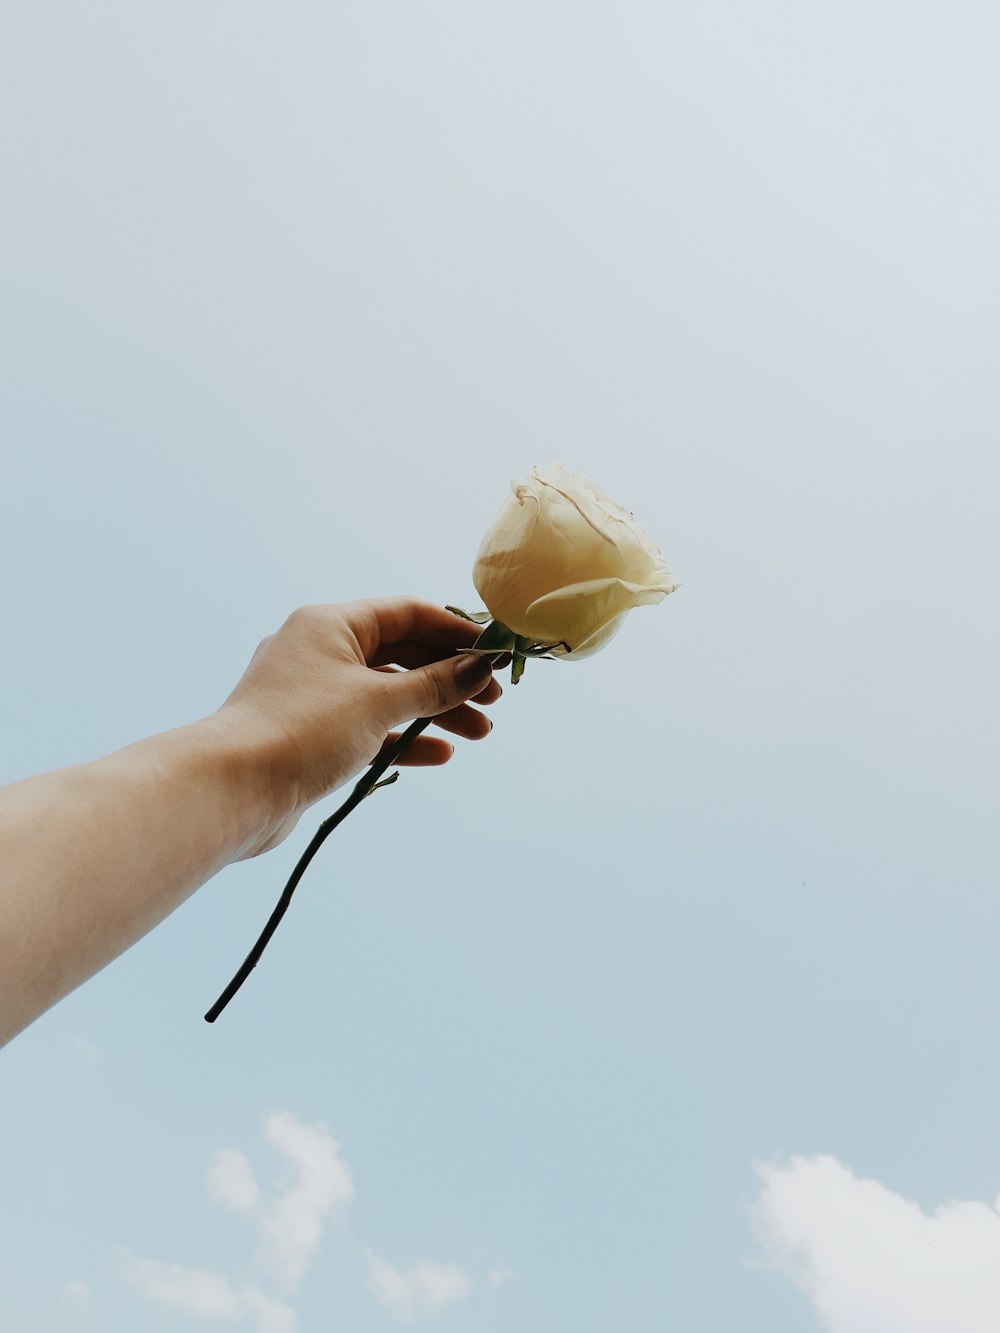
(93, 857)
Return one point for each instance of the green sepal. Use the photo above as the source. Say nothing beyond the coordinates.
(495, 638)
(517, 667)
(477, 617)
(540, 649)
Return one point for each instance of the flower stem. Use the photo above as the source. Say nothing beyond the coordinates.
(364, 787)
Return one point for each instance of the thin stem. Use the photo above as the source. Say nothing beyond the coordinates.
(364, 787)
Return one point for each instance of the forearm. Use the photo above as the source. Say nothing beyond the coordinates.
(93, 857)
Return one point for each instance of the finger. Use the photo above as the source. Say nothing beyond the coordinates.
(422, 752)
(409, 653)
(464, 721)
(431, 690)
(389, 620)
(489, 695)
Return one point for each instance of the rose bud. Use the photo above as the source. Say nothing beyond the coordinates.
(562, 563)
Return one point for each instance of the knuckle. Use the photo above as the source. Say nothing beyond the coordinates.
(302, 616)
(263, 646)
(308, 620)
(437, 694)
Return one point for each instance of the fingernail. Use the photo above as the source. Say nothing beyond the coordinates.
(472, 670)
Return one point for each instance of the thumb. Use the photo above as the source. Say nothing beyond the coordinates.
(427, 691)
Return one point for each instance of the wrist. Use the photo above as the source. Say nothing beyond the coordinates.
(251, 763)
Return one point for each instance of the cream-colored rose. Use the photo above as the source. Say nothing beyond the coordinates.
(562, 561)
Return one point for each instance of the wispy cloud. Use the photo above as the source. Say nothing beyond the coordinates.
(272, 1316)
(231, 1181)
(289, 1220)
(499, 1276)
(867, 1258)
(289, 1227)
(427, 1286)
(290, 1223)
(209, 1296)
(77, 1291)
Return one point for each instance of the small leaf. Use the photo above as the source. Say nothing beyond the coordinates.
(386, 782)
(517, 667)
(495, 638)
(477, 617)
(533, 648)
(540, 649)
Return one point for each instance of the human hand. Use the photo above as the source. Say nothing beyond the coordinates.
(322, 695)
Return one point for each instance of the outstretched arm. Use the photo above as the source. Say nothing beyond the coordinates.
(93, 857)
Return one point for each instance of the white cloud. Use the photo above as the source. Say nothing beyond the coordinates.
(871, 1261)
(289, 1222)
(499, 1277)
(271, 1316)
(427, 1286)
(77, 1291)
(209, 1296)
(231, 1182)
(289, 1227)
(292, 1226)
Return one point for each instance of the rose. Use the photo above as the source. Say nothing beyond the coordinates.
(562, 563)
(559, 569)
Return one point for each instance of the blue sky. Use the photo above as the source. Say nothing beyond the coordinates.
(642, 1012)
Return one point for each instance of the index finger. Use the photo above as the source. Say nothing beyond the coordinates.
(393, 620)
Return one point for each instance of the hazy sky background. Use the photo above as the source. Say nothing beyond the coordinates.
(672, 1006)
